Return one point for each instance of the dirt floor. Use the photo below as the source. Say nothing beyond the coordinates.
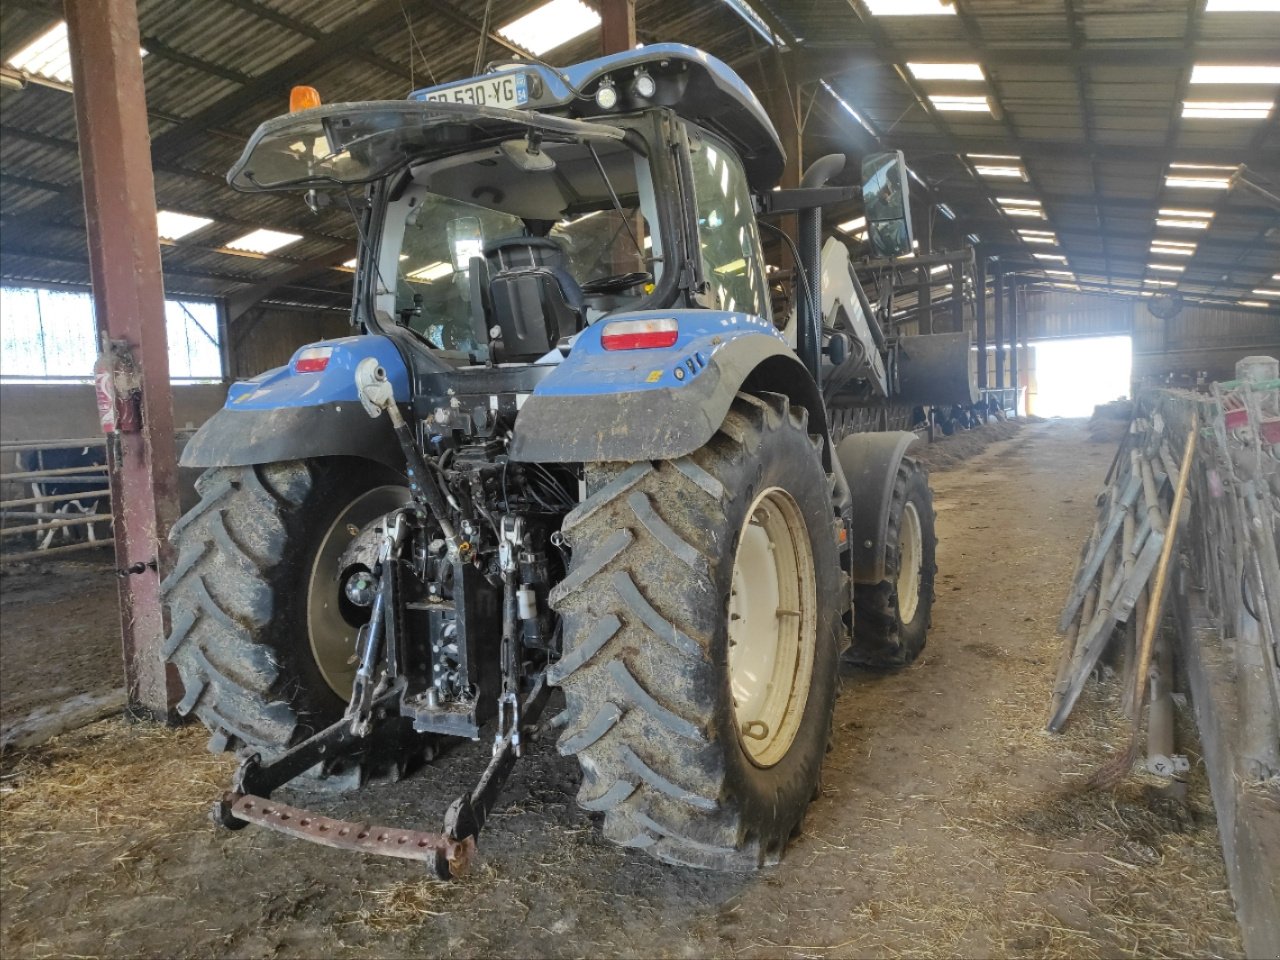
(948, 823)
(59, 633)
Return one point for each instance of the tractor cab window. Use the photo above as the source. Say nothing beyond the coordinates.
(732, 262)
(469, 239)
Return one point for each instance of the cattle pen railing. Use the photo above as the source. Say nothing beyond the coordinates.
(33, 517)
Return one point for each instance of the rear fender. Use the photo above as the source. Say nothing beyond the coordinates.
(870, 462)
(286, 415)
(658, 404)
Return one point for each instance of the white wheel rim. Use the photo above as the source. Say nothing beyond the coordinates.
(332, 638)
(910, 550)
(772, 626)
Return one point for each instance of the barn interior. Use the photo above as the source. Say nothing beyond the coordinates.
(1094, 193)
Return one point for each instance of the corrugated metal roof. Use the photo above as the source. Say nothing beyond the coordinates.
(1088, 94)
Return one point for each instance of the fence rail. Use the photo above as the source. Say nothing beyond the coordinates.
(53, 512)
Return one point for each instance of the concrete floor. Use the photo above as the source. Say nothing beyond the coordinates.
(948, 824)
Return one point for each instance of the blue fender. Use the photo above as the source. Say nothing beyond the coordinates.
(661, 403)
(286, 415)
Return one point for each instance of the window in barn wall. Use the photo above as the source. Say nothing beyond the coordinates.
(49, 336)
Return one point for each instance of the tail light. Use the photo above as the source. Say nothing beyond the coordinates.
(640, 334)
(312, 359)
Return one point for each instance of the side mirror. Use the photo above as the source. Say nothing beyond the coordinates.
(887, 203)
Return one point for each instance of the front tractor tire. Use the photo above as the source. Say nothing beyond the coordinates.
(892, 617)
(258, 629)
(702, 629)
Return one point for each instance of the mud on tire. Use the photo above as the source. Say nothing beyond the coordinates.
(645, 667)
(880, 636)
(236, 600)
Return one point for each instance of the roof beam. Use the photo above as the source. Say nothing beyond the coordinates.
(348, 35)
(24, 251)
(829, 59)
(1073, 150)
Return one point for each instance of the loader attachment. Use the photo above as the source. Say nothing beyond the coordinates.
(936, 369)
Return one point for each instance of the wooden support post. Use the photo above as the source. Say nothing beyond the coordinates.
(617, 26)
(998, 333)
(1013, 341)
(128, 298)
(980, 316)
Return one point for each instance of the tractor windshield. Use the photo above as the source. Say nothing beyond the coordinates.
(462, 230)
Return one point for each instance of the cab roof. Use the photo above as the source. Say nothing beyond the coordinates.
(694, 84)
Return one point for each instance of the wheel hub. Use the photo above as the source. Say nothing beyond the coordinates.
(910, 552)
(772, 626)
(333, 619)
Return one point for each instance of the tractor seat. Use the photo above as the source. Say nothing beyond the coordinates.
(514, 253)
(535, 301)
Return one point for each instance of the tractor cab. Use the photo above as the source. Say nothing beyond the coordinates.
(509, 213)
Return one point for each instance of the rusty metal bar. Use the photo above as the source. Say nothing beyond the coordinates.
(358, 837)
(42, 554)
(128, 298)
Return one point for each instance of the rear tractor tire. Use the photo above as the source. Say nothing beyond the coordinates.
(259, 630)
(892, 617)
(702, 627)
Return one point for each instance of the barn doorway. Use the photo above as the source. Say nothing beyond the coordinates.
(1075, 375)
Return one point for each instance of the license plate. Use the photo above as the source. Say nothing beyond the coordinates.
(505, 90)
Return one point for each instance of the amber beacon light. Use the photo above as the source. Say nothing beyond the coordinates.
(303, 98)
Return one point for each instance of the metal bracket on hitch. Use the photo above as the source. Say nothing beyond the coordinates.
(448, 852)
(468, 814)
(448, 857)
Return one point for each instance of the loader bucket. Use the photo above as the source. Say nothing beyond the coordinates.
(938, 368)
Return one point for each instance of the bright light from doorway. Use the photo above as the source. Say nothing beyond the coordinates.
(1074, 376)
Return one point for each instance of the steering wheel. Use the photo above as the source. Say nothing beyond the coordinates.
(616, 283)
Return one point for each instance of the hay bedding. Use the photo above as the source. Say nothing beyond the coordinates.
(1004, 857)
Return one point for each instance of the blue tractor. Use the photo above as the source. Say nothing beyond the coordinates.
(572, 446)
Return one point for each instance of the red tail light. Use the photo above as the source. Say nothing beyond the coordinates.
(312, 360)
(640, 334)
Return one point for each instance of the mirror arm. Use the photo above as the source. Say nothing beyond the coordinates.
(805, 198)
